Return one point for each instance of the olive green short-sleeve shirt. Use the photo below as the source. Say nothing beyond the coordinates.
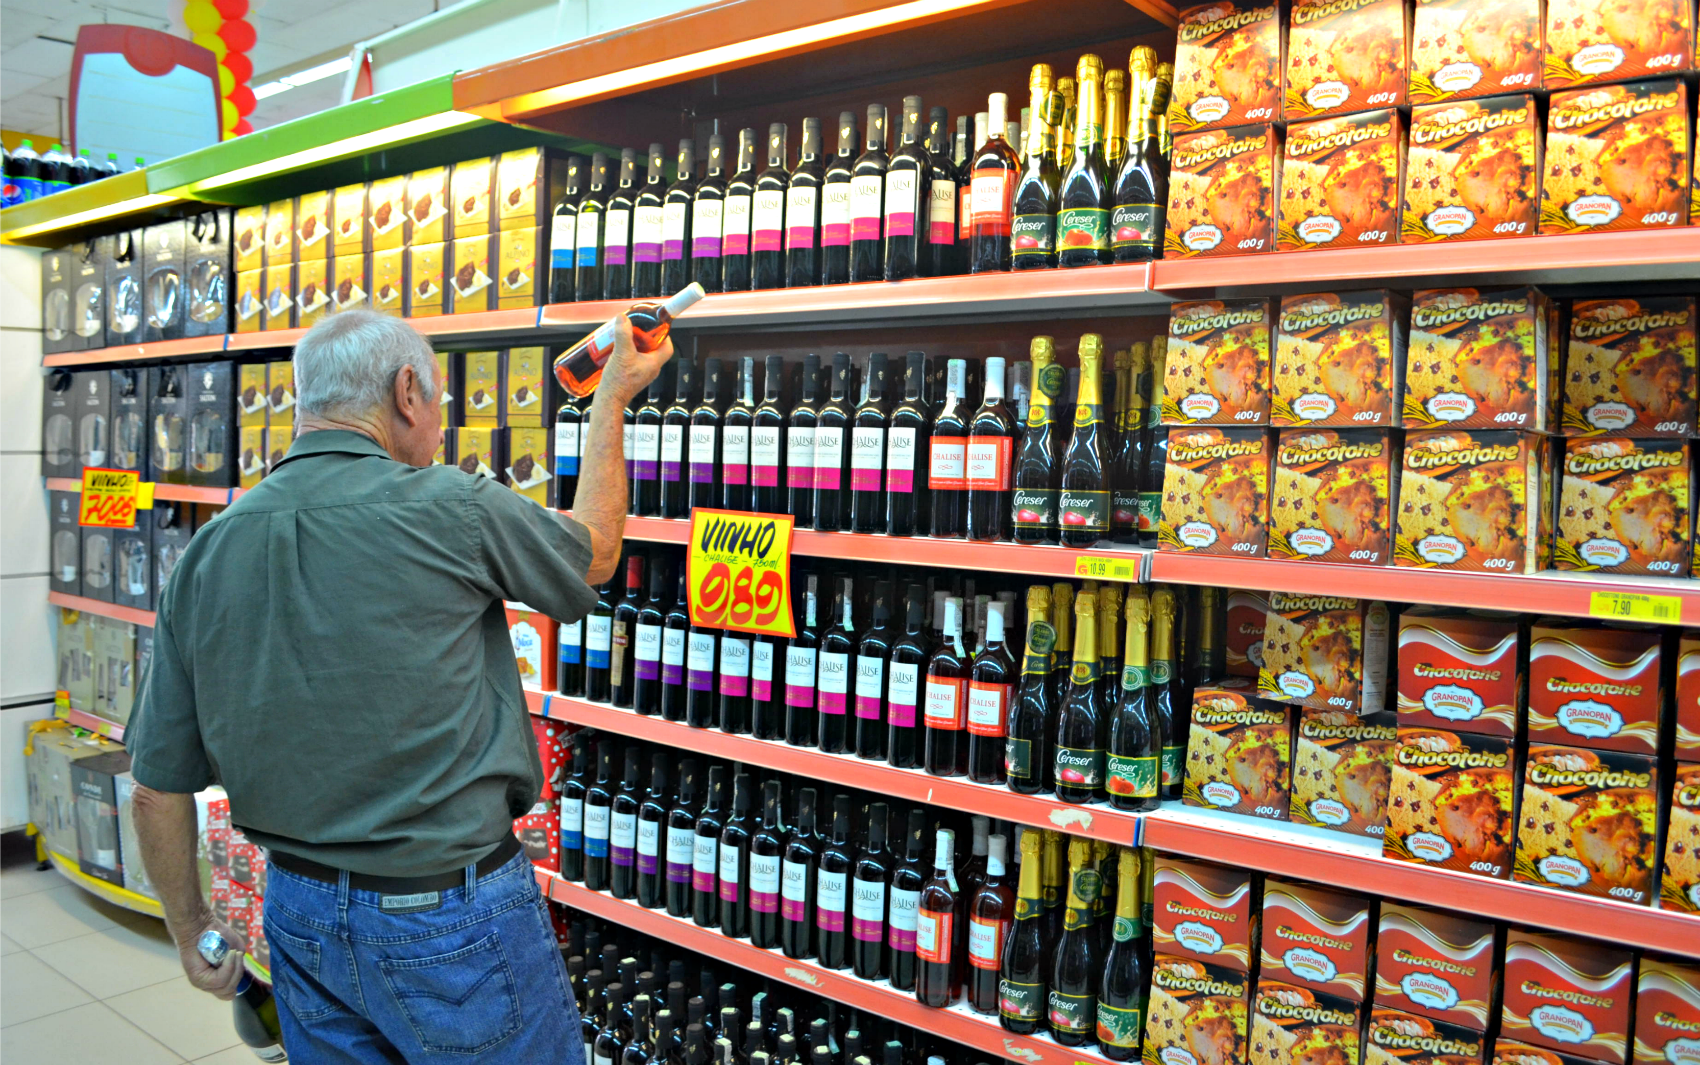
(332, 649)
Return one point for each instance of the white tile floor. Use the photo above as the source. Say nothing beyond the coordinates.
(85, 983)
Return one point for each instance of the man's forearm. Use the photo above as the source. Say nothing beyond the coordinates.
(600, 502)
(165, 821)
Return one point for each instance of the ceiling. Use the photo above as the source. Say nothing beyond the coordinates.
(36, 39)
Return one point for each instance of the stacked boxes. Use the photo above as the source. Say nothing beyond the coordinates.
(1680, 871)
(1311, 990)
(1436, 978)
(1204, 938)
(1239, 751)
(498, 412)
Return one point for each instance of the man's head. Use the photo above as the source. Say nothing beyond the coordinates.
(371, 373)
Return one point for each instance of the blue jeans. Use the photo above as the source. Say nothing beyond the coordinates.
(472, 975)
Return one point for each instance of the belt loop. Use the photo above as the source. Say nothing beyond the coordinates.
(471, 884)
(342, 895)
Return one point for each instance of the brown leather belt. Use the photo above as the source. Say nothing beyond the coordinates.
(399, 885)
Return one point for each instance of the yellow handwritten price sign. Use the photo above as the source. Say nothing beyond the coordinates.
(1635, 606)
(112, 497)
(1107, 568)
(740, 571)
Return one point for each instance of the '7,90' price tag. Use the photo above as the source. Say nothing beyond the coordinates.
(110, 498)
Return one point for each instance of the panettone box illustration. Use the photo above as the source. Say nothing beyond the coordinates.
(1342, 181)
(472, 202)
(1196, 1007)
(1228, 63)
(1217, 369)
(1442, 966)
(1473, 170)
(1479, 500)
(1395, 1037)
(1588, 822)
(1613, 40)
(1459, 670)
(1688, 696)
(1345, 57)
(1667, 1011)
(529, 464)
(1631, 367)
(1243, 639)
(1318, 938)
(1568, 994)
(1326, 652)
(248, 238)
(1463, 48)
(1239, 751)
(1616, 158)
(427, 206)
(386, 213)
(1480, 359)
(1204, 911)
(1334, 496)
(1679, 886)
(1343, 770)
(1223, 192)
(312, 226)
(1625, 506)
(1594, 686)
(1453, 803)
(1291, 1023)
(1339, 359)
(1216, 491)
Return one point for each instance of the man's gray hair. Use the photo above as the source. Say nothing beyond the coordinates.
(346, 365)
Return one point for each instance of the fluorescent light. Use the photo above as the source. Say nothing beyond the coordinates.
(355, 145)
(93, 214)
(336, 66)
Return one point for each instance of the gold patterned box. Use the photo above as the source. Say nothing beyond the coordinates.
(1472, 170)
(1617, 157)
(1345, 56)
(1463, 48)
(1228, 62)
(1223, 192)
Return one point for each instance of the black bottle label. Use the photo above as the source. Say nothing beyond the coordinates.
(1135, 777)
(1021, 1002)
(1136, 225)
(1033, 235)
(1125, 510)
(1018, 758)
(1035, 508)
(1084, 511)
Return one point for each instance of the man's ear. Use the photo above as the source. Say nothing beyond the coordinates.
(409, 398)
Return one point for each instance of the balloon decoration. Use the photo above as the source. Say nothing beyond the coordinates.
(222, 27)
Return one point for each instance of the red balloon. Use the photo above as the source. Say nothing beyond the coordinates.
(238, 35)
(240, 65)
(243, 98)
(244, 126)
(231, 9)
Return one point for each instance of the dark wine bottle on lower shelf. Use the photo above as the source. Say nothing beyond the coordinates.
(705, 854)
(1023, 981)
(622, 831)
(906, 883)
(598, 808)
(868, 887)
(989, 913)
(651, 827)
(766, 848)
(832, 890)
(733, 882)
(680, 846)
(1123, 989)
(937, 969)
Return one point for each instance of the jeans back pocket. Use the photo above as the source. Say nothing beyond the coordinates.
(295, 973)
(462, 1002)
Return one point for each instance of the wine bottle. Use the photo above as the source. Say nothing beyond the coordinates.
(617, 232)
(1206, 666)
(1128, 464)
(904, 736)
(867, 193)
(563, 237)
(598, 809)
(872, 875)
(675, 634)
(569, 664)
(705, 852)
(733, 882)
(676, 221)
(588, 231)
(906, 883)
(1022, 978)
(973, 872)
(1156, 446)
(832, 890)
(991, 447)
(991, 691)
(947, 698)
(947, 479)
(1142, 181)
(622, 831)
(628, 447)
(708, 206)
(704, 439)
(573, 791)
(837, 190)
(1122, 991)
(909, 435)
(646, 644)
(734, 681)
(680, 848)
(1115, 123)
(579, 368)
(873, 650)
(801, 671)
(639, 1047)
(1026, 745)
(1084, 505)
(992, 197)
(621, 671)
(800, 446)
(868, 509)
(702, 652)
(797, 881)
(1109, 656)
(1081, 724)
(832, 426)
(941, 257)
(1034, 498)
(609, 1046)
(802, 212)
(767, 448)
(675, 429)
(645, 484)
(767, 699)
(1078, 965)
(767, 214)
(1070, 98)
(837, 648)
(1034, 228)
(735, 231)
(908, 196)
(937, 976)
(648, 212)
(989, 912)
(651, 825)
(1173, 710)
(735, 440)
(570, 419)
(766, 847)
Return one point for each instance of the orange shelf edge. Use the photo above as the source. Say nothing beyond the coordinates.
(957, 1023)
(105, 610)
(914, 785)
(177, 492)
(160, 349)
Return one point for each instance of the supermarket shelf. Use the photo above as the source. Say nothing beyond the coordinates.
(109, 892)
(1552, 592)
(958, 1023)
(105, 610)
(914, 785)
(181, 492)
(162, 349)
(110, 729)
(1356, 863)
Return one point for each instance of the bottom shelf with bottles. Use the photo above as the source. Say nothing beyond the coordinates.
(957, 1023)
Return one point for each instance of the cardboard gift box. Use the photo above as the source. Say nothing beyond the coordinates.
(1589, 823)
(93, 411)
(348, 220)
(1592, 41)
(1205, 911)
(124, 288)
(248, 238)
(1394, 1037)
(208, 273)
(1442, 966)
(1667, 1010)
(1616, 156)
(1339, 359)
(162, 281)
(470, 288)
(1687, 703)
(1228, 65)
(1326, 652)
(1334, 496)
(1473, 169)
(525, 388)
(426, 280)
(481, 388)
(517, 281)
(253, 408)
(1568, 994)
(278, 440)
(470, 199)
(59, 425)
(1194, 1002)
(1592, 686)
(93, 782)
(250, 456)
(1476, 500)
(386, 273)
(529, 468)
(280, 233)
(1224, 190)
(351, 288)
(211, 424)
(1343, 771)
(386, 214)
(129, 389)
(57, 334)
(314, 287)
(475, 451)
(1679, 883)
(313, 226)
(1216, 491)
(1318, 938)
(1239, 753)
(250, 300)
(1460, 670)
(1453, 802)
(1243, 636)
(1343, 58)
(1341, 182)
(529, 183)
(1463, 48)
(1218, 364)
(428, 220)
(1631, 367)
(97, 563)
(280, 394)
(1291, 1023)
(168, 424)
(1482, 359)
(1626, 506)
(278, 306)
(65, 552)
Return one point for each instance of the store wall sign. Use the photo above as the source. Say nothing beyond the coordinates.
(739, 574)
(110, 498)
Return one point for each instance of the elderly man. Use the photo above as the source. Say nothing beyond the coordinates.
(332, 649)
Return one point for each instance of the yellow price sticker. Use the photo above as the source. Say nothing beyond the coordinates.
(739, 574)
(1107, 568)
(62, 700)
(110, 498)
(1635, 606)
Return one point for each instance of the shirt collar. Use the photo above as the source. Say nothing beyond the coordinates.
(333, 441)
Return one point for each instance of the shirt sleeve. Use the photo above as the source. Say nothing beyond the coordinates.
(164, 734)
(535, 555)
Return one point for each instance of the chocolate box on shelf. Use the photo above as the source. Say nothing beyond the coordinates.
(1631, 367)
(1453, 803)
(1228, 64)
(1679, 877)
(1616, 156)
(1239, 752)
(1340, 359)
(1626, 507)
(1460, 670)
(1395, 1037)
(1482, 359)
(1667, 1010)
(1291, 1023)
(1318, 937)
(1206, 911)
(1218, 363)
(1473, 169)
(1478, 500)
(1224, 192)
(1443, 966)
(1464, 48)
(1568, 994)
(1592, 41)
(1589, 823)
(1343, 770)
(1342, 182)
(1334, 495)
(1325, 652)
(1343, 58)
(1216, 491)
(1594, 686)
(1193, 1002)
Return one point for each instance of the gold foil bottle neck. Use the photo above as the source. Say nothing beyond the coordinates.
(1041, 77)
(1042, 346)
(1092, 344)
(1038, 601)
(1142, 61)
(1089, 68)
(1115, 81)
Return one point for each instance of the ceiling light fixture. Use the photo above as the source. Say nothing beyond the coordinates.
(331, 69)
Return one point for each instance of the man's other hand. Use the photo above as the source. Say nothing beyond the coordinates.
(629, 371)
(218, 980)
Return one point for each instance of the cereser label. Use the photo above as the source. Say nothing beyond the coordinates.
(1438, 965)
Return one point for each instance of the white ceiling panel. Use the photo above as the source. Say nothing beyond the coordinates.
(16, 27)
(38, 56)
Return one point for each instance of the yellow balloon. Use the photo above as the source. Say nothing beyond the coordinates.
(212, 42)
(202, 17)
(226, 80)
(231, 115)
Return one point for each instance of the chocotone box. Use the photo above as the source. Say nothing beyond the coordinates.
(1626, 506)
(1394, 1037)
(1459, 670)
(1454, 802)
(1462, 48)
(1482, 359)
(1239, 752)
(248, 238)
(1346, 57)
(1339, 359)
(1217, 368)
(1442, 966)
(1228, 63)
(314, 281)
(1224, 187)
(1326, 652)
(1205, 911)
(1589, 823)
(1667, 1010)
(1243, 640)
(427, 204)
(1479, 500)
(1472, 170)
(1595, 41)
(1631, 367)
(1334, 496)
(1616, 158)
(1291, 1023)
(1598, 687)
(1341, 182)
(1216, 491)
(1317, 937)
(386, 214)
(1343, 770)
(1568, 994)
(1688, 696)
(280, 233)
(1679, 887)
(1194, 1004)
